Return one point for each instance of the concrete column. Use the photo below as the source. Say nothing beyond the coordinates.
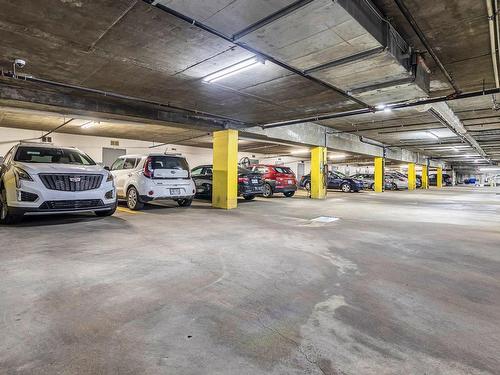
(318, 173)
(412, 177)
(379, 175)
(225, 169)
(425, 177)
(439, 177)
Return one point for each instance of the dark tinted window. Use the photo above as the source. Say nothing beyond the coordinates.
(283, 170)
(196, 171)
(52, 155)
(169, 162)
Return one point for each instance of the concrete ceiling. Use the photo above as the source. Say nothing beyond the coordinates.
(133, 48)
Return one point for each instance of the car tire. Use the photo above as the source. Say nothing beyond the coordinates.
(5, 216)
(133, 201)
(249, 197)
(394, 186)
(186, 202)
(308, 186)
(107, 212)
(345, 187)
(289, 194)
(268, 191)
(372, 187)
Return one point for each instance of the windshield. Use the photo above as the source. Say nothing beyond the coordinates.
(52, 155)
(338, 174)
(169, 162)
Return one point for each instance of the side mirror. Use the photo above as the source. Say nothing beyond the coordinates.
(107, 168)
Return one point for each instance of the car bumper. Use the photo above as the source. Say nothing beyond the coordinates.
(250, 190)
(285, 188)
(57, 201)
(152, 191)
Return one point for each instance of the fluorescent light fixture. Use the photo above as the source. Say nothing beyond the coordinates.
(380, 106)
(489, 169)
(433, 135)
(89, 124)
(233, 69)
(337, 156)
(387, 109)
(300, 151)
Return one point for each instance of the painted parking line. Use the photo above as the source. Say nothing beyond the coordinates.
(127, 210)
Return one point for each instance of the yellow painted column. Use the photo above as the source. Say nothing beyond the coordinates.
(425, 177)
(318, 173)
(412, 177)
(439, 176)
(225, 169)
(379, 175)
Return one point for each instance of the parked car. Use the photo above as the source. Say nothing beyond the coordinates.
(277, 179)
(397, 180)
(336, 180)
(447, 180)
(144, 178)
(250, 184)
(369, 181)
(43, 178)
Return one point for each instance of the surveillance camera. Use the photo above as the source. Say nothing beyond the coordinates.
(19, 63)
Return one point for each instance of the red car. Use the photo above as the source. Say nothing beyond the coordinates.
(277, 179)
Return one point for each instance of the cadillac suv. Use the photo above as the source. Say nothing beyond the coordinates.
(40, 178)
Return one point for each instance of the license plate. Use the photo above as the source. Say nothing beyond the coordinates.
(255, 181)
(175, 191)
(289, 182)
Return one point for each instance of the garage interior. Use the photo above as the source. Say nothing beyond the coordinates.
(382, 281)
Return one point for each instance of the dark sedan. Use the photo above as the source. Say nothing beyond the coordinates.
(250, 183)
(336, 180)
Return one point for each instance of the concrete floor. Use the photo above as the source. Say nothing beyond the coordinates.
(403, 283)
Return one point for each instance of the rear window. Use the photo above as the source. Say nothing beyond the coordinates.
(283, 170)
(52, 155)
(169, 162)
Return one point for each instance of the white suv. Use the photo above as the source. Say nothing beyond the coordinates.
(144, 178)
(40, 178)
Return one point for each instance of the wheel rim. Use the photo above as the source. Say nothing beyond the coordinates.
(132, 198)
(3, 205)
(308, 186)
(346, 188)
(267, 190)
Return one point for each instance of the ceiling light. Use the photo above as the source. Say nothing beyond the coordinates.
(380, 106)
(387, 109)
(89, 124)
(233, 69)
(301, 151)
(337, 156)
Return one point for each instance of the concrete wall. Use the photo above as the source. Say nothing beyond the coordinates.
(93, 145)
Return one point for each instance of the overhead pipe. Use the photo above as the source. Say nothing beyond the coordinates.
(493, 26)
(392, 106)
(406, 13)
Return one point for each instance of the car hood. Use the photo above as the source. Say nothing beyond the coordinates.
(37, 168)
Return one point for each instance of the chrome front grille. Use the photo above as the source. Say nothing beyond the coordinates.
(71, 182)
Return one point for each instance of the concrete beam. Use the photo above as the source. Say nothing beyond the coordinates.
(313, 134)
(26, 94)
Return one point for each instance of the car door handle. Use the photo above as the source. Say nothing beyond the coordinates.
(130, 175)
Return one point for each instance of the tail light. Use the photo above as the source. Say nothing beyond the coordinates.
(148, 170)
(243, 180)
(401, 179)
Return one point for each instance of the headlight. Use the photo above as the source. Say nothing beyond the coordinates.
(110, 177)
(21, 174)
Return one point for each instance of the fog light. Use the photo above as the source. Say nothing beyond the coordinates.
(194, 191)
(109, 194)
(151, 192)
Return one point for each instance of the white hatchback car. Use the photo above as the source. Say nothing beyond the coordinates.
(143, 178)
(40, 178)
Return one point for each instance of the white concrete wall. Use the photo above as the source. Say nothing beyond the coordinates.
(93, 145)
